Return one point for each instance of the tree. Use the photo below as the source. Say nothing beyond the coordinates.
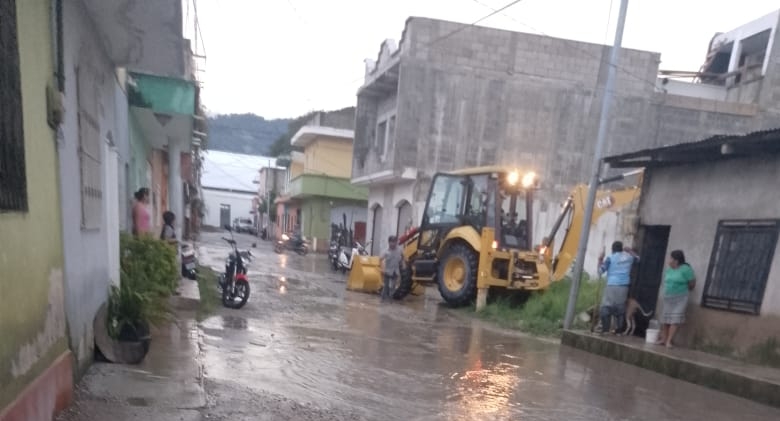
(268, 207)
(282, 144)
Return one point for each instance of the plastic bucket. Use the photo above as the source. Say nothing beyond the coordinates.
(651, 336)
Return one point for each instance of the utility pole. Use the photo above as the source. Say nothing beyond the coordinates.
(596, 167)
(267, 195)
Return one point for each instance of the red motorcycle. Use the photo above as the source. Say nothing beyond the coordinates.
(234, 283)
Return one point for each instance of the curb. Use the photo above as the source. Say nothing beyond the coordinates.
(698, 372)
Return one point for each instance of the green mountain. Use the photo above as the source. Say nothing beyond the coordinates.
(244, 133)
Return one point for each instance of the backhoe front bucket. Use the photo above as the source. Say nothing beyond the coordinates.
(365, 275)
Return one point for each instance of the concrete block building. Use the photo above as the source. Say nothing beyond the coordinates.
(449, 96)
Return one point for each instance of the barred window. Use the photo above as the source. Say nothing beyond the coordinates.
(13, 178)
(89, 149)
(740, 263)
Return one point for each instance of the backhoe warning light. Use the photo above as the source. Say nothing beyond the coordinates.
(495, 244)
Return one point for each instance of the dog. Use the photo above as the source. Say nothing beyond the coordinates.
(632, 306)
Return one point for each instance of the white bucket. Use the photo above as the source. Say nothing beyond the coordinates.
(651, 336)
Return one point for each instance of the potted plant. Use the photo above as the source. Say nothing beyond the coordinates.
(147, 280)
(128, 323)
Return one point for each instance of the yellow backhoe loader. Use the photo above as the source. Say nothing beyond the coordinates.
(476, 234)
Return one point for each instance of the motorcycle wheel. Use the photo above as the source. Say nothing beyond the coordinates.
(278, 249)
(242, 293)
(227, 296)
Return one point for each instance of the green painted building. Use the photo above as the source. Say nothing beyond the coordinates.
(318, 192)
(35, 363)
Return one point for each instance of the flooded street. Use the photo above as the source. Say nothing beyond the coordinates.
(303, 348)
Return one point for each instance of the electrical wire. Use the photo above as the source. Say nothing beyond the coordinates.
(463, 28)
(578, 47)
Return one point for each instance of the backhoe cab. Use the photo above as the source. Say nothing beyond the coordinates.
(476, 234)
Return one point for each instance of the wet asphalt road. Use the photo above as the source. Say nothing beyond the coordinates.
(304, 348)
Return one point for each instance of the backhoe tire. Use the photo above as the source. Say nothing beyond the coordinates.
(405, 285)
(457, 275)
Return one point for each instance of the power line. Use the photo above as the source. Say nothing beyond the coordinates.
(581, 49)
(463, 28)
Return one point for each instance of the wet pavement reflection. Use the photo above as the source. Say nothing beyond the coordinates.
(343, 355)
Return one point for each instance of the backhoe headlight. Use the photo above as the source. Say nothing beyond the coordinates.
(529, 179)
(513, 177)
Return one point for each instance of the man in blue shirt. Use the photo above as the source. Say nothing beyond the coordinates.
(617, 266)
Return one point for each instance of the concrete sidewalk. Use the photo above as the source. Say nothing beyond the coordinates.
(167, 385)
(756, 383)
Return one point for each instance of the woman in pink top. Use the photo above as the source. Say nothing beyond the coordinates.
(141, 216)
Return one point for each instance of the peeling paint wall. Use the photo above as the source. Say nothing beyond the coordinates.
(31, 289)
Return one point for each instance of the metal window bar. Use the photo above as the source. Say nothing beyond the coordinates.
(13, 176)
(739, 265)
(89, 150)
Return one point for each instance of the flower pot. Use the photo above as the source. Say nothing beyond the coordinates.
(131, 347)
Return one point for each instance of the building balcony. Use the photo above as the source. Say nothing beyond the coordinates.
(163, 107)
(310, 185)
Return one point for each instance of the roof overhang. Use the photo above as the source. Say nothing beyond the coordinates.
(387, 177)
(158, 129)
(142, 35)
(715, 148)
(308, 134)
(383, 83)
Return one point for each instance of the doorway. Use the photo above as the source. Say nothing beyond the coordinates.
(224, 215)
(405, 219)
(654, 240)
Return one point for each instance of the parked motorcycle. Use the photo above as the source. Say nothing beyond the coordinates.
(189, 263)
(233, 282)
(347, 255)
(298, 245)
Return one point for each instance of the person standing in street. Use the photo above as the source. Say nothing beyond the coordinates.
(679, 281)
(390, 263)
(617, 266)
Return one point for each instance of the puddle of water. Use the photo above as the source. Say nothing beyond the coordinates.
(309, 341)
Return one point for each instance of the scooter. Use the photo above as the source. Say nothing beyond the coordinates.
(189, 263)
(347, 256)
(333, 252)
(298, 245)
(233, 282)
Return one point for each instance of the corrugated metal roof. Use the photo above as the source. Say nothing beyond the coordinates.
(723, 146)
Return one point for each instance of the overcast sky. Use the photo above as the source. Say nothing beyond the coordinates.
(282, 58)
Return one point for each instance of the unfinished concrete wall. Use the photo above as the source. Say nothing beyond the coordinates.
(340, 119)
(692, 200)
(365, 132)
(486, 96)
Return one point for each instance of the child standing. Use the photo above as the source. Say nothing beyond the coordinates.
(390, 262)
